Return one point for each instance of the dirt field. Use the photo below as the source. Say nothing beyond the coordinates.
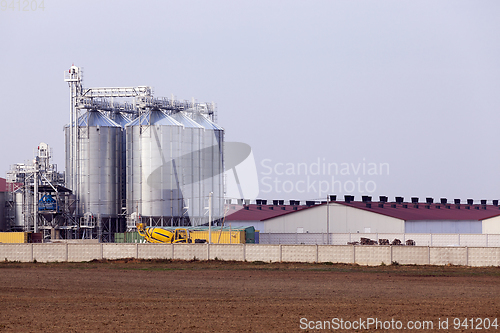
(201, 296)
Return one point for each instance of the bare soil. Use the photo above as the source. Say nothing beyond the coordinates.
(215, 296)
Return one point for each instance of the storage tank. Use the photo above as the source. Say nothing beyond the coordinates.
(190, 159)
(212, 163)
(98, 164)
(154, 187)
(122, 119)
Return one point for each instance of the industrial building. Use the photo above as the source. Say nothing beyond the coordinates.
(349, 216)
(130, 157)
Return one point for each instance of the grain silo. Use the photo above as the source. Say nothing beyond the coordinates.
(97, 165)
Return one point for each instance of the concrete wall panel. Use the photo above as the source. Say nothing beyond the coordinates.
(16, 252)
(84, 252)
(255, 252)
(227, 251)
(484, 256)
(155, 251)
(410, 255)
(298, 253)
(119, 251)
(448, 255)
(336, 254)
(49, 252)
(372, 255)
(190, 251)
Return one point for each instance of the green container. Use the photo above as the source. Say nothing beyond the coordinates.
(119, 237)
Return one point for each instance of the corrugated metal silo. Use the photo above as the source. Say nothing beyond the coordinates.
(190, 160)
(98, 164)
(212, 167)
(122, 120)
(154, 187)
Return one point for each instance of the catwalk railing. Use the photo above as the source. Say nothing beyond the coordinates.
(354, 254)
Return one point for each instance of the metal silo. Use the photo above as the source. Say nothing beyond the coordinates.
(190, 160)
(122, 120)
(212, 163)
(154, 187)
(98, 165)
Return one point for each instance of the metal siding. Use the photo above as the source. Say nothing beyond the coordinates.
(444, 227)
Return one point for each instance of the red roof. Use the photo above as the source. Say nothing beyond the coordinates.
(3, 185)
(254, 212)
(423, 211)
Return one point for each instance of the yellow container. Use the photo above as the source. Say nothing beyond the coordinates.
(13, 237)
(237, 236)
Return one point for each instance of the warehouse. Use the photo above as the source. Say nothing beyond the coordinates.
(365, 216)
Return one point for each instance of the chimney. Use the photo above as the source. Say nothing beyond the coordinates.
(483, 202)
(258, 201)
(366, 198)
(470, 201)
(275, 202)
(264, 202)
(414, 200)
(348, 198)
(457, 201)
(382, 198)
(444, 201)
(281, 202)
(429, 200)
(495, 202)
(333, 198)
(399, 200)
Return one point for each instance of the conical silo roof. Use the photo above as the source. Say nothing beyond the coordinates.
(121, 119)
(154, 117)
(96, 118)
(206, 123)
(185, 120)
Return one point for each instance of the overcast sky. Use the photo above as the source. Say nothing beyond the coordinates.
(396, 98)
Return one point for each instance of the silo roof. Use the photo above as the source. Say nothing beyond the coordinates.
(121, 119)
(185, 120)
(155, 117)
(206, 123)
(96, 118)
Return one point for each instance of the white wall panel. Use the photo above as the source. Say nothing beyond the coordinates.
(336, 254)
(118, 251)
(298, 253)
(256, 252)
(484, 256)
(448, 255)
(190, 251)
(16, 252)
(49, 252)
(84, 252)
(154, 251)
(410, 255)
(372, 255)
(227, 251)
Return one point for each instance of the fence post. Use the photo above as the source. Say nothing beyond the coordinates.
(354, 254)
(317, 253)
(281, 253)
(429, 252)
(391, 254)
(136, 251)
(102, 251)
(172, 245)
(32, 258)
(244, 252)
(67, 256)
(208, 251)
(467, 255)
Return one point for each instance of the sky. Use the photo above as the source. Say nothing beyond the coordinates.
(394, 98)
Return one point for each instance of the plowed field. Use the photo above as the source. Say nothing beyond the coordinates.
(214, 296)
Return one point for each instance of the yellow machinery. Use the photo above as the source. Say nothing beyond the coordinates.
(161, 235)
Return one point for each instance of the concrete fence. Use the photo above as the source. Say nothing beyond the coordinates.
(363, 255)
(469, 240)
